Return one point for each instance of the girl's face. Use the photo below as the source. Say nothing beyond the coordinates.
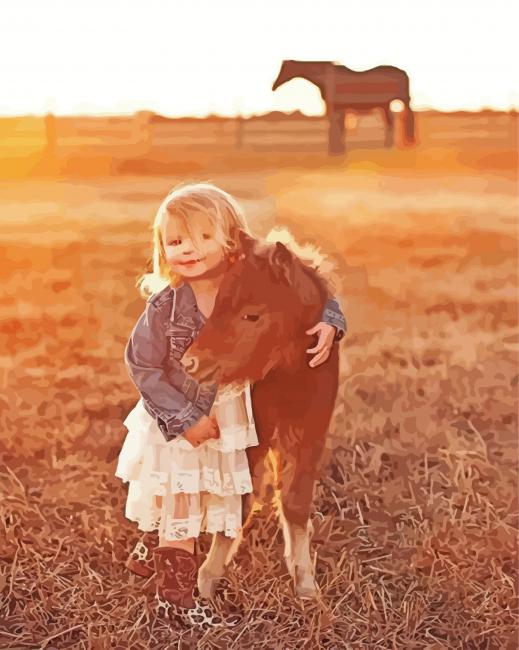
(181, 253)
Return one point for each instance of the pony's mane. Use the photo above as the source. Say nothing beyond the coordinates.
(309, 254)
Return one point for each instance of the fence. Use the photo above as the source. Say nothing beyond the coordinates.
(142, 132)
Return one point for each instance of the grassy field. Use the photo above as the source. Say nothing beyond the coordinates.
(416, 511)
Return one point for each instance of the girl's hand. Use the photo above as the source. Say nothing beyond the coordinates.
(205, 429)
(324, 345)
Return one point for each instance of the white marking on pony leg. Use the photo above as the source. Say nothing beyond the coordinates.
(233, 548)
(214, 565)
(215, 560)
(289, 552)
(297, 556)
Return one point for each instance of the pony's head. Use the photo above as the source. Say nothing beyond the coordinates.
(266, 301)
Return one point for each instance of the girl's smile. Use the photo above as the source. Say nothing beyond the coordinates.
(187, 257)
(191, 262)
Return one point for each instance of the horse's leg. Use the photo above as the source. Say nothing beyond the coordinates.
(297, 471)
(390, 124)
(214, 564)
(262, 491)
(408, 116)
(297, 556)
(223, 548)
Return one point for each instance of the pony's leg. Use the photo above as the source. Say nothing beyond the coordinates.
(223, 548)
(297, 557)
(214, 565)
(296, 467)
(262, 490)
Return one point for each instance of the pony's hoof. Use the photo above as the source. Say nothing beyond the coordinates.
(207, 584)
(306, 592)
(305, 586)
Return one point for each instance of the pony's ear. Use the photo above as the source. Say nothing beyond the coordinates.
(281, 264)
(246, 242)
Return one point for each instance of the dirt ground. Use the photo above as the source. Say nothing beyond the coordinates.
(416, 511)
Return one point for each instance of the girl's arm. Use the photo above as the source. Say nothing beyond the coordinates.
(333, 315)
(176, 400)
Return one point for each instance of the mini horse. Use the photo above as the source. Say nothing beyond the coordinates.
(256, 333)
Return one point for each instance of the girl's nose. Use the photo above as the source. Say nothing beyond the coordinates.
(188, 247)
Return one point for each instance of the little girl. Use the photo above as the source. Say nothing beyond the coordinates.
(185, 452)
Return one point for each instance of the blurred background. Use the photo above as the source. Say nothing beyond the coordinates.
(391, 142)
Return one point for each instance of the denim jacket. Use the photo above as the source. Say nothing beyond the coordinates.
(167, 327)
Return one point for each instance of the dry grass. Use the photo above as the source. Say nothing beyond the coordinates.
(416, 512)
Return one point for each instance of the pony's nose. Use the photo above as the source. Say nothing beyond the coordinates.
(191, 363)
(202, 371)
(207, 374)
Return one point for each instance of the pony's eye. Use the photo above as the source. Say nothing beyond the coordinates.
(252, 317)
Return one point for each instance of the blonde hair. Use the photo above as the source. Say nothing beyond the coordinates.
(223, 210)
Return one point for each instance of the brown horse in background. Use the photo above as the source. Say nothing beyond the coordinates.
(256, 332)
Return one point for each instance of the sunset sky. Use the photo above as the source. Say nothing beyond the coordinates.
(194, 57)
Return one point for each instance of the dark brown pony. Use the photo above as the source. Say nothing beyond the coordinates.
(256, 332)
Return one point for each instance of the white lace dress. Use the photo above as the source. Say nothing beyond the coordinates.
(201, 487)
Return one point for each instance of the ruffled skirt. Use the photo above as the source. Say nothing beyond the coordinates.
(181, 490)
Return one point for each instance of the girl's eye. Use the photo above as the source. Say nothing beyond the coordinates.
(207, 235)
(174, 242)
(252, 317)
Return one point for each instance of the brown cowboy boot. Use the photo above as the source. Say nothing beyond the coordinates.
(140, 560)
(176, 570)
(177, 593)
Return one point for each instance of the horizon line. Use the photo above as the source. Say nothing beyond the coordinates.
(484, 109)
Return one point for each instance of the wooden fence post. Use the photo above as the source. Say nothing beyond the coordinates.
(51, 137)
(239, 132)
(142, 135)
